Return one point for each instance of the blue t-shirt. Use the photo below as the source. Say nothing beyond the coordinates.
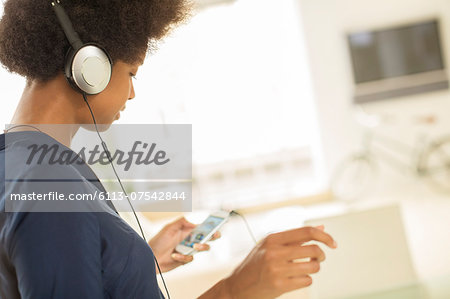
(68, 254)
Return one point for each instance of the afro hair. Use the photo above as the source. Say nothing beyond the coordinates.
(33, 44)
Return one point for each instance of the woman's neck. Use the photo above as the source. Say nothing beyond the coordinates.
(53, 107)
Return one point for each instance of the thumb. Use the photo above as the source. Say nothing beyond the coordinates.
(181, 223)
(186, 223)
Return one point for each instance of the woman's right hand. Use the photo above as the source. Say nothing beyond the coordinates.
(271, 270)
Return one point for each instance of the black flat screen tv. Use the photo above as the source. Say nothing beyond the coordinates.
(398, 61)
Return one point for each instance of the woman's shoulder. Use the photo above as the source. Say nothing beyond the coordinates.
(38, 151)
(40, 182)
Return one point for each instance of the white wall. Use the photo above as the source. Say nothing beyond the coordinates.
(12, 87)
(326, 23)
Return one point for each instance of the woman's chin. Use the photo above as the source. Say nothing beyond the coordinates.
(102, 127)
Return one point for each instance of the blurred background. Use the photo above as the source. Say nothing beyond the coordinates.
(306, 112)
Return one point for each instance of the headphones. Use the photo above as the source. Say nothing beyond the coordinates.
(88, 67)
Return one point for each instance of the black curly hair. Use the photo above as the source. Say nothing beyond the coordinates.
(33, 44)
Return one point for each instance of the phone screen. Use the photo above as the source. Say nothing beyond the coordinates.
(202, 231)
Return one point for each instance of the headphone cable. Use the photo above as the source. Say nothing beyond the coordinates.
(108, 154)
(236, 213)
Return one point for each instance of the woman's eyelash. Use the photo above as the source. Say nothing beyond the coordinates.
(133, 76)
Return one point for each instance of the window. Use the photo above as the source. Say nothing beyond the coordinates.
(238, 72)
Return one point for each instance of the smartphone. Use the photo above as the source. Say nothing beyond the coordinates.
(203, 232)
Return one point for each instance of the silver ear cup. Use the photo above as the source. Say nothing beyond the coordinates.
(90, 69)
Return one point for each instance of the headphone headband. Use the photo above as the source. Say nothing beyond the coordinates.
(88, 67)
(66, 24)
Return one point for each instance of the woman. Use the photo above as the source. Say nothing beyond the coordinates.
(97, 255)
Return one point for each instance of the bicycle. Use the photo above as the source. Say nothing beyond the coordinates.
(430, 159)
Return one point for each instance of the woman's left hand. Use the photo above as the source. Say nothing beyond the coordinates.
(164, 243)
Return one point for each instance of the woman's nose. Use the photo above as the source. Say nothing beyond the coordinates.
(131, 95)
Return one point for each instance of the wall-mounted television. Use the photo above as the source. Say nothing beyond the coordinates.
(397, 61)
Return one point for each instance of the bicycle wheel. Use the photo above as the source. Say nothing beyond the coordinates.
(353, 177)
(434, 164)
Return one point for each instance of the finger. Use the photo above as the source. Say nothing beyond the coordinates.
(182, 258)
(321, 227)
(216, 236)
(201, 247)
(301, 269)
(298, 282)
(305, 251)
(302, 235)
